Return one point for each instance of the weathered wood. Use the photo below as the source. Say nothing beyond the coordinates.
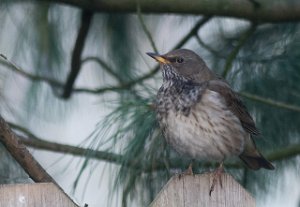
(193, 191)
(34, 195)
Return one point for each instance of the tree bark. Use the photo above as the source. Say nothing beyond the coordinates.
(18, 150)
(253, 10)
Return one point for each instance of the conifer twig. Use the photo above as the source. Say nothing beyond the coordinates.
(208, 48)
(105, 66)
(38, 143)
(86, 19)
(145, 29)
(270, 102)
(123, 86)
(17, 69)
(242, 40)
(55, 83)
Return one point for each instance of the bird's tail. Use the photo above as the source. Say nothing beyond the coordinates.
(256, 162)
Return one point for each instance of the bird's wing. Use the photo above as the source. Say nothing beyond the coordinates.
(234, 104)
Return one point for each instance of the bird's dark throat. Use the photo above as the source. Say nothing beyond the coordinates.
(169, 74)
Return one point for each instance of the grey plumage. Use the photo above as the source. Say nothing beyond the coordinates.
(200, 115)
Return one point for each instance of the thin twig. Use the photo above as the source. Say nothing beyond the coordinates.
(278, 155)
(118, 88)
(270, 102)
(22, 129)
(184, 40)
(55, 83)
(208, 48)
(193, 31)
(102, 90)
(73, 150)
(145, 29)
(86, 19)
(242, 40)
(17, 69)
(105, 66)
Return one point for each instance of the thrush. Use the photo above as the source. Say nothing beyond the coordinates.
(201, 116)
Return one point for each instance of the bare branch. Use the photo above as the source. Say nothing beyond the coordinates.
(22, 155)
(123, 86)
(129, 84)
(184, 40)
(38, 143)
(105, 66)
(145, 29)
(243, 39)
(15, 68)
(208, 48)
(264, 11)
(270, 102)
(86, 19)
(68, 149)
(193, 31)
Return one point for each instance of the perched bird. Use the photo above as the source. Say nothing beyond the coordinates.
(201, 116)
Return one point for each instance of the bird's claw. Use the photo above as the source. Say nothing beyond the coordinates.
(188, 171)
(217, 175)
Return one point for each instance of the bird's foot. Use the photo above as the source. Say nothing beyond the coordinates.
(217, 175)
(188, 171)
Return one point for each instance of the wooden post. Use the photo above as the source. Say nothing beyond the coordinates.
(193, 191)
(34, 195)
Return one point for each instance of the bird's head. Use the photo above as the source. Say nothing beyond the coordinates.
(182, 64)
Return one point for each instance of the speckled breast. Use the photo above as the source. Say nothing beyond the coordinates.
(205, 130)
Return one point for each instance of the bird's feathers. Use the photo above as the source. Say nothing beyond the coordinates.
(234, 103)
(202, 117)
(256, 162)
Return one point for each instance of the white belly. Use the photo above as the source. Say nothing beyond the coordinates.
(209, 132)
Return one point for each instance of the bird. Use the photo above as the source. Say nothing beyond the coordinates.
(201, 116)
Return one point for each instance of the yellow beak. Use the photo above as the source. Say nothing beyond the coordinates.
(158, 58)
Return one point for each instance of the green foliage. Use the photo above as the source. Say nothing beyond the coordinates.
(120, 48)
(267, 65)
(39, 49)
(134, 134)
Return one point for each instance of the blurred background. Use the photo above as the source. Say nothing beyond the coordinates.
(76, 84)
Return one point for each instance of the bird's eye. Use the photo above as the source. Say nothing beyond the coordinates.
(179, 60)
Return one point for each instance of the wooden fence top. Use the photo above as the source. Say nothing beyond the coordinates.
(193, 191)
(34, 195)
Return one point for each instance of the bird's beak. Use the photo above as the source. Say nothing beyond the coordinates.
(158, 58)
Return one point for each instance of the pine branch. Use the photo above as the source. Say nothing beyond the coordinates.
(55, 83)
(208, 48)
(86, 19)
(284, 153)
(105, 66)
(184, 40)
(42, 144)
(243, 39)
(270, 102)
(193, 31)
(4, 61)
(123, 86)
(264, 11)
(38, 143)
(145, 29)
